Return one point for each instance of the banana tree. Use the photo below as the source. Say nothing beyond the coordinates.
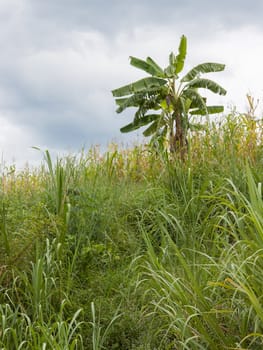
(166, 102)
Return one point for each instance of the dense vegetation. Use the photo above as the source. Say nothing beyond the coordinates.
(137, 249)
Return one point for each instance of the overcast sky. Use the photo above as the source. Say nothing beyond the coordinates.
(60, 59)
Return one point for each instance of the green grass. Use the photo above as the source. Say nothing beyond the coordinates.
(136, 250)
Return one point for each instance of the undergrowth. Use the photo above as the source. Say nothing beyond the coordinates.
(135, 249)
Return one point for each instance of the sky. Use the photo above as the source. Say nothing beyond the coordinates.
(60, 59)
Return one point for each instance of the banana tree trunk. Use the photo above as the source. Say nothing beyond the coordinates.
(178, 141)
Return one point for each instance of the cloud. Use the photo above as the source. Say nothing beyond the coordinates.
(63, 95)
(15, 145)
(115, 15)
(60, 60)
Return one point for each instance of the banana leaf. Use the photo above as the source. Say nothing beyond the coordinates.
(151, 129)
(158, 69)
(149, 66)
(180, 58)
(207, 84)
(146, 101)
(137, 123)
(198, 101)
(208, 67)
(141, 85)
(135, 100)
(170, 71)
(146, 67)
(172, 59)
(209, 110)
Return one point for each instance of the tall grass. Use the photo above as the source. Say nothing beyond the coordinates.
(200, 295)
(33, 311)
(133, 249)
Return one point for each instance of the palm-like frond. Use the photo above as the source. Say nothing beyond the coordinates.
(180, 58)
(137, 123)
(197, 101)
(208, 67)
(209, 110)
(152, 129)
(206, 84)
(145, 66)
(158, 69)
(142, 85)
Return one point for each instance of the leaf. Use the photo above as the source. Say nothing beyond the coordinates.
(151, 129)
(166, 106)
(195, 104)
(129, 127)
(170, 72)
(185, 103)
(208, 67)
(180, 58)
(141, 85)
(133, 101)
(197, 101)
(137, 123)
(138, 63)
(150, 99)
(157, 68)
(209, 110)
(172, 59)
(207, 84)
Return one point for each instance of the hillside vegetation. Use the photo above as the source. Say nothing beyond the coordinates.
(136, 249)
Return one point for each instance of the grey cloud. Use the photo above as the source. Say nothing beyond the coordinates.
(60, 58)
(115, 15)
